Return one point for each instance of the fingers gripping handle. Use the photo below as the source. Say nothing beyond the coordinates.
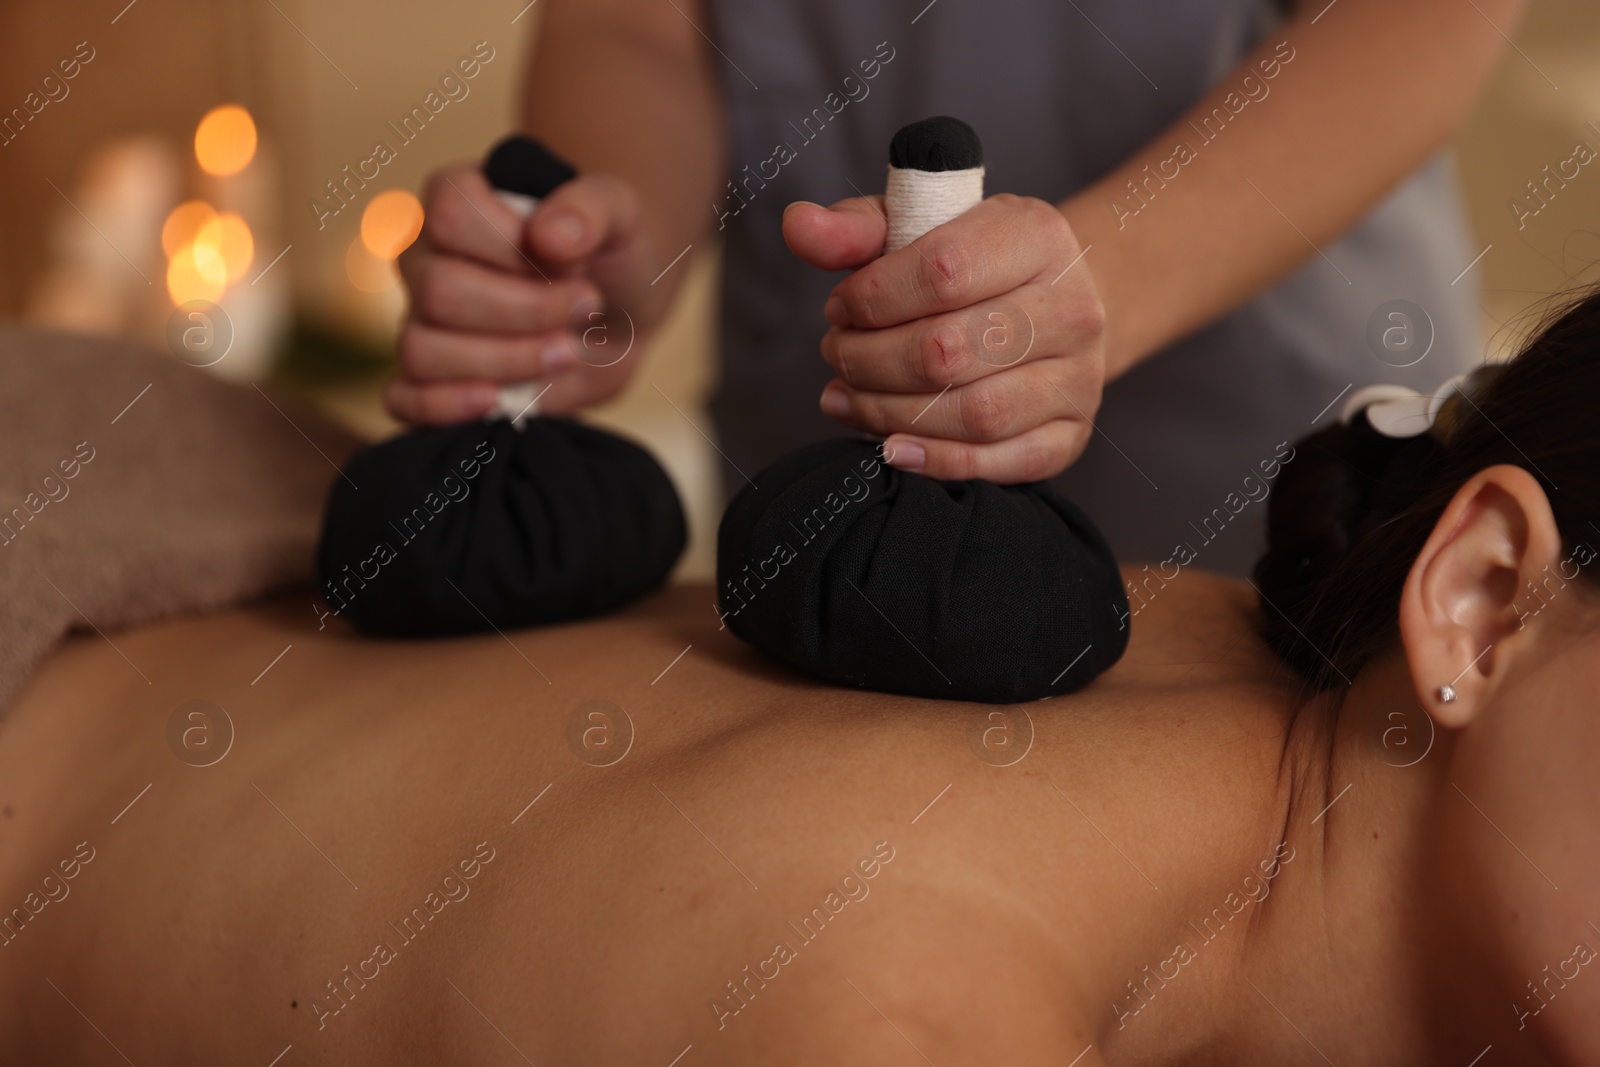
(522, 172)
(935, 174)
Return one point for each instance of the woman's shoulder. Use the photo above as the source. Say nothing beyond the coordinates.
(1203, 626)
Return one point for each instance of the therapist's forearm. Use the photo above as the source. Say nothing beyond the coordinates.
(1374, 87)
(623, 87)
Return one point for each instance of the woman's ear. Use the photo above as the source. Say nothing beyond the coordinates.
(1460, 619)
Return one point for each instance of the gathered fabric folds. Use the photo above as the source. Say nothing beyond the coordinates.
(857, 573)
(480, 526)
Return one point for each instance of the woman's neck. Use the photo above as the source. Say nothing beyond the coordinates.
(1361, 929)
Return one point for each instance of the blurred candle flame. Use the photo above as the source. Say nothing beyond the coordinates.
(229, 238)
(225, 140)
(206, 251)
(183, 225)
(196, 272)
(390, 222)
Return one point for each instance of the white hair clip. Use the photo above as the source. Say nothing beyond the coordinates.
(1395, 411)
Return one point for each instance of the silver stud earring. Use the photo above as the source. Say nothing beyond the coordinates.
(1447, 693)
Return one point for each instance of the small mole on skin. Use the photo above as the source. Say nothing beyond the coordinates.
(1374, 835)
(294, 1003)
(9, 811)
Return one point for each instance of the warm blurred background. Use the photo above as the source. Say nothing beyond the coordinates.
(171, 150)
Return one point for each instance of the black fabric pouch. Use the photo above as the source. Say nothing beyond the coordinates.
(855, 572)
(465, 528)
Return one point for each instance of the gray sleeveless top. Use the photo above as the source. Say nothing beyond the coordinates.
(1061, 93)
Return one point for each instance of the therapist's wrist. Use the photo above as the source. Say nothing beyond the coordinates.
(1126, 333)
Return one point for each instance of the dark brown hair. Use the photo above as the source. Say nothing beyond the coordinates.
(1353, 511)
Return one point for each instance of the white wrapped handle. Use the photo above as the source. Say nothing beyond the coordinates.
(918, 200)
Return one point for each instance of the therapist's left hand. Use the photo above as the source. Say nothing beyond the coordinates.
(979, 350)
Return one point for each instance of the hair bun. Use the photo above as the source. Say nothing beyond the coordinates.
(1341, 480)
(1354, 509)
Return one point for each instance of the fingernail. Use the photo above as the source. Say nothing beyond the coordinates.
(907, 456)
(797, 203)
(583, 313)
(565, 226)
(557, 355)
(833, 310)
(835, 402)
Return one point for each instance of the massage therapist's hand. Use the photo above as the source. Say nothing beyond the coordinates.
(975, 349)
(496, 298)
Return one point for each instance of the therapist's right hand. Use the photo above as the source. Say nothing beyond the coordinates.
(495, 298)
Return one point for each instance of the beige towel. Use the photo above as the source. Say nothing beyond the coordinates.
(134, 487)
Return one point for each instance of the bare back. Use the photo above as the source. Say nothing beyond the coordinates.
(611, 842)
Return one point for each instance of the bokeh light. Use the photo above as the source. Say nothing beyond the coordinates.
(390, 223)
(367, 272)
(183, 225)
(225, 140)
(230, 238)
(196, 272)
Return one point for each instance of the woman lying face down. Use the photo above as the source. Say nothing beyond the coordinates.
(634, 840)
